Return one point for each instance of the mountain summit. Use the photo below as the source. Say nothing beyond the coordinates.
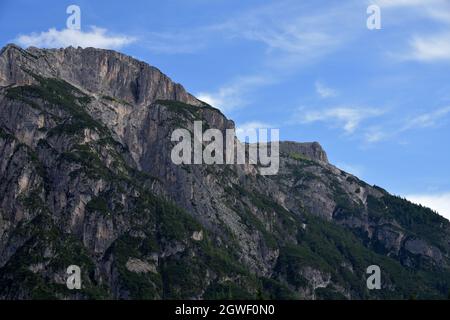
(87, 180)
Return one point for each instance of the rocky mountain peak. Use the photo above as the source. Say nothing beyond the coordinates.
(86, 178)
(312, 150)
(111, 74)
(99, 71)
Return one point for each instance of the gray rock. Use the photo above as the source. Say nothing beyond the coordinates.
(86, 178)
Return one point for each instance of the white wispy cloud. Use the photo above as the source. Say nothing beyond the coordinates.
(294, 39)
(429, 48)
(407, 3)
(438, 202)
(324, 91)
(426, 120)
(292, 34)
(95, 37)
(375, 134)
(426, 47)
(180, 42)
(296, 33)
(438, 10)
(249, 129)
(348, 118)
(233, 95)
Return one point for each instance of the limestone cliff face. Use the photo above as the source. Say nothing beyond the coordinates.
(86, 178)
(100, 72)
(311, 150)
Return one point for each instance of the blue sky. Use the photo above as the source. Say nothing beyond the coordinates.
(377, 100)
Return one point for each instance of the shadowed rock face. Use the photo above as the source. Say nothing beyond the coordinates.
(86, 178)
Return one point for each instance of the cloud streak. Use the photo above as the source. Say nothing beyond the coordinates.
(233, 95)
(429, 48)
(95, 37)
(292, 34)
(347, 118)
(426, 120)
(324, 91)
(437, 10)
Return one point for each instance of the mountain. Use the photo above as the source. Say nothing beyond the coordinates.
(86, 179)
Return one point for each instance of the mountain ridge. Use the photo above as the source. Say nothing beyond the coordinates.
(86, 168)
